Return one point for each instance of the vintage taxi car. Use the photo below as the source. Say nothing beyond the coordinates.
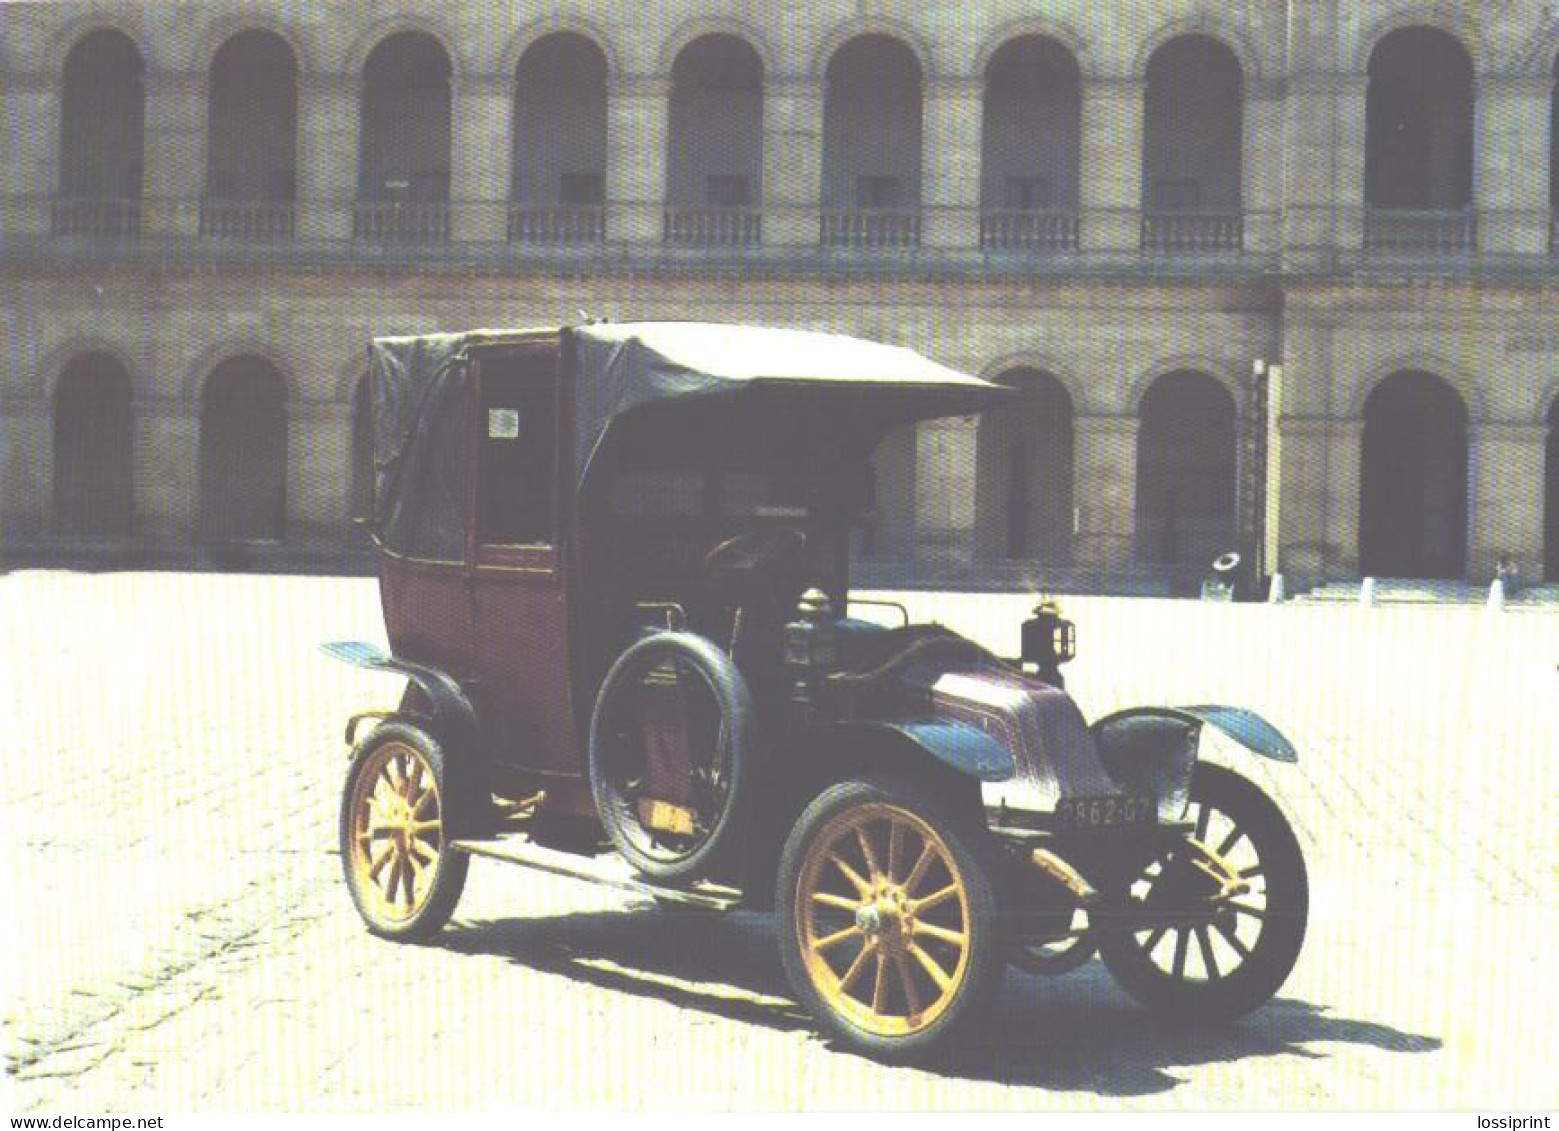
(615, 572)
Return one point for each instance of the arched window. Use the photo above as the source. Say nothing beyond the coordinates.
(1191, 196)
(1186, 472)
(1413, 479)
(558, 184)
(403, 170)
(1553, 163)
(1030, 142)
(1418, 143)
(102, 127)
(871, 145)
(1023, 492)
(714, 158)
(93, 474)
(252, 139)
(243, 453)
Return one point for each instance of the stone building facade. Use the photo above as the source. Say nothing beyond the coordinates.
(207, 209)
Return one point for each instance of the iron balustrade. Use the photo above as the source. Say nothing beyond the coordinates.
(871, 228)
(248, 219)
(1008, 230)
(713, 227)
(1193, 232)
(74, 216)
(1420, 231)
(405, 222)
(564, 225)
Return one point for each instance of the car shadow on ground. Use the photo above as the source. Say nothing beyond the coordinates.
(1078, 1032)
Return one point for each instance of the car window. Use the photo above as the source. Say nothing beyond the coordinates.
(517, 438)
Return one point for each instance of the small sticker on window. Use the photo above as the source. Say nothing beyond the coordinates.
(503, 423)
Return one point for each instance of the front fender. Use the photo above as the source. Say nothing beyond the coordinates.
(1154, 749)
(452, 709)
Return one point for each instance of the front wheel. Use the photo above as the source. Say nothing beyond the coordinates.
(888, 917)
(404, 878)
(1202, 957)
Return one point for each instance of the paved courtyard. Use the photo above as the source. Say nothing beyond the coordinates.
(181, 938)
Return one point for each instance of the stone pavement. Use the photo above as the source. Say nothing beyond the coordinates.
(181, 939)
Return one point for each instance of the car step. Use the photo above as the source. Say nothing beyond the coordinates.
(609, 870)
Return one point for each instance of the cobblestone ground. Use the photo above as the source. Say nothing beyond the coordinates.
(182, 940)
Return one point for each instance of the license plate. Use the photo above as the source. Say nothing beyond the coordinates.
(1105, 812)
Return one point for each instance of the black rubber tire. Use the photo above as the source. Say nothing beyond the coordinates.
(1275, 949)
(450, 867)
(735, 703)
(978, 861)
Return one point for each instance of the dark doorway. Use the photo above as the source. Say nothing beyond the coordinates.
(93, 472)
(243, 453)
(1023, 493)
(102, 123)
(1186, 472)
(1413, 480)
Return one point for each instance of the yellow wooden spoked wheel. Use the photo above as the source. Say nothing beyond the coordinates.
(892, 916)
(402, 876)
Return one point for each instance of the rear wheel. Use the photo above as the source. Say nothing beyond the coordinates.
(403, 878)
(888, 917)
(1222, 966)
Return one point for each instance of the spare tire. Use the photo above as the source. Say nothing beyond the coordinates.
(671, 749)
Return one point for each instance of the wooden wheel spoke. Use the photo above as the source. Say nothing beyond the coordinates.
(829, 899)
(1203, 818)
(1252, 872)
(907, 982)
(1233, 939)
(942, 934)
(850, 874)
(1236, 834)
(853, 974)
(917, 874)
(376, 865)
(895, 849)
(1247, 909)
(880, 983)
(1154, 939)
(932, 967)
(1205, 942)
(1182, 945)
(418, 828)
(833, 940)
(873, 869)
(935, 899)
(394, 882)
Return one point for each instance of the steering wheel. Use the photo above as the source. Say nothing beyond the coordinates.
(753, 548)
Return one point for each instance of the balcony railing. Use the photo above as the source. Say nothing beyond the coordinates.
(563, 225)
(1028, 231)
(248, 220)
(713, 227)
(103, 218)
(1192, 233)
(875, 228)
(397, 222)
(1420, 231)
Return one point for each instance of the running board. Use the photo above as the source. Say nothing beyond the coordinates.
(610, 871)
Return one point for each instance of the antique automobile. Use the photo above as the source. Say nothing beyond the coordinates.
(614, 564)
